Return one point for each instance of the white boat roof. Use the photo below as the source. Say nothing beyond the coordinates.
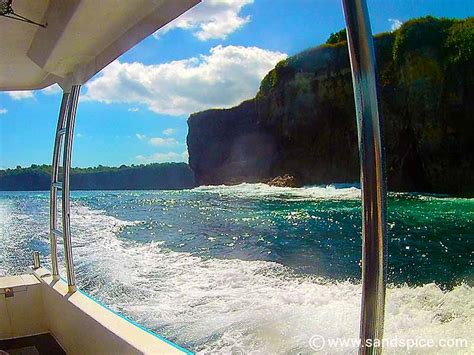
(80, 39)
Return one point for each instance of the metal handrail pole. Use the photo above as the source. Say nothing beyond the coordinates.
(53, 208)
(66, 211)
(36, 260)
(374, 243)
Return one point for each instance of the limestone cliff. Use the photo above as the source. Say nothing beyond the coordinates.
(302, 121)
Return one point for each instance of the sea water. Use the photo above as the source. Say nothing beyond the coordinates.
(258, 269)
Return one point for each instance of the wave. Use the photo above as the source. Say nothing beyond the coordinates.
(313, 192)
(213, 305)
(221, 306)
(260, 190)
(20, 231)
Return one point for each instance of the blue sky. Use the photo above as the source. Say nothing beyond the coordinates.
(215, 55)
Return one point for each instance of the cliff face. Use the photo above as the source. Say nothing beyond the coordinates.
(230, 146)
(302, 121)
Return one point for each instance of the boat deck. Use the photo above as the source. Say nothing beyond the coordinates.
(67, 322)
(32, 345)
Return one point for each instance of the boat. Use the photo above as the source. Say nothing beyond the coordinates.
(46, 42)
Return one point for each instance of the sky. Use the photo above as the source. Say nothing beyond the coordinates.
(214, 56)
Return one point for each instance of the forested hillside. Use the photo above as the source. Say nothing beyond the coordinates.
(166, 176)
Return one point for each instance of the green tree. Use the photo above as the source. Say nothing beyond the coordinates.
(337, 37)
(460, 42)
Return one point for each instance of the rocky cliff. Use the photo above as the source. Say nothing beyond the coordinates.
(302, 121)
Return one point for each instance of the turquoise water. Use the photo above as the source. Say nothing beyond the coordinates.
(252, 267)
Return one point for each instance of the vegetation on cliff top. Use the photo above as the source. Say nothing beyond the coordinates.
(165, 176)
(337, 37)
(454, 38)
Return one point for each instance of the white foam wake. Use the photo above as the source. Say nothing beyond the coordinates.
(20, 230)
(222, 306)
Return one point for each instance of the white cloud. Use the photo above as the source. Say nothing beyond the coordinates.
(169, 132)
(185, 155)
(133, 109)
(395, 23)
(163, 157)
(3, 111)
(20, 95)
(158, 141)
(163, 142)
(78, 135)
(52, 90)
(211, 19)
(224, 78)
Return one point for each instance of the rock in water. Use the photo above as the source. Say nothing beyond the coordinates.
(283, 181)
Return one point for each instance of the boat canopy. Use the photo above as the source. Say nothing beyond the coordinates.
(73, 40)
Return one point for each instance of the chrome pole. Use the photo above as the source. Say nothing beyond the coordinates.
(362, 57)
(67, 154)
(53, 208)
(36, 260)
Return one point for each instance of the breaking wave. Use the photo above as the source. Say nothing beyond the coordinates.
(260, 190)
